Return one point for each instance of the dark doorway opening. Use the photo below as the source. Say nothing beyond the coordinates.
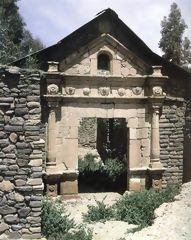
(109, 174)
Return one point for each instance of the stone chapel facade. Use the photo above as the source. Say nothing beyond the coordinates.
(103, 70)
(100, 71)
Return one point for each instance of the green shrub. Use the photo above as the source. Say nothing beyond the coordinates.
(89, 164)
(138, 207)
(135, 208)
(170, 192)
(114, 168)
(56, 224)
(80, 234)
(100, 212)
(54, 218)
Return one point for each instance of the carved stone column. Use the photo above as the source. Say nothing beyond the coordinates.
(155, 138)
(155, 167)
(156, 81)
(51, 153)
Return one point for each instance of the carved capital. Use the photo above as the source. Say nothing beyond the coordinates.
(155, 108)
(52, 89)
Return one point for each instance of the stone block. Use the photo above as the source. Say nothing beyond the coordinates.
(23, 212)
(6, 186)
(35, 204)
(69, 187)
(134, 153)
(134, 184)
(4, 143)
(3, 227)
(13, 137)
(34, 181)
(16, 121)
(21, 111)
(133, 122)
(35, 163)
(132, 133)
(9, 149)
(5, 210)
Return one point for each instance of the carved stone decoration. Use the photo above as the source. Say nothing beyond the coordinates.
(137, 90)
(104, 91)
(121, 92)
(70, 90)
(52, 89)
(157, 91)
(157, 71)
(86, 91)
(52, 66)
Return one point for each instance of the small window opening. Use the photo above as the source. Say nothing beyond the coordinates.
(103, 62)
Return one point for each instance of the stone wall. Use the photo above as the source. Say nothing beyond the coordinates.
(172, 123)
(87, 133)
(20, 154)
(187, 144)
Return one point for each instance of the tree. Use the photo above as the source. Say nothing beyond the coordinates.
(15, 40)
(172, 44)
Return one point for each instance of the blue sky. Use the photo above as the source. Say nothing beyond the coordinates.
(52, 20)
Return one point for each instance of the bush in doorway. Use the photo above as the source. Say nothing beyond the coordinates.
(89, 164)
(114, 168)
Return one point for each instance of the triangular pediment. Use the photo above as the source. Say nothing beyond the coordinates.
(84, 61)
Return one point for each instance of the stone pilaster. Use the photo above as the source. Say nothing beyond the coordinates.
(155, 138)
(156, 81)
(51, 154)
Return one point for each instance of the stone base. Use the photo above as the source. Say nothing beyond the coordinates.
(155, 176)
(69, 183)
(137, 179)
(59, 181)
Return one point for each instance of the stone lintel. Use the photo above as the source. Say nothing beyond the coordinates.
(97, 99)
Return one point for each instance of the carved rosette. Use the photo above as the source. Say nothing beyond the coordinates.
(70, 90)
(104, 91)
(137, 90)
(157, 91)
(52, 89)
(86, 91)
(121, 92)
